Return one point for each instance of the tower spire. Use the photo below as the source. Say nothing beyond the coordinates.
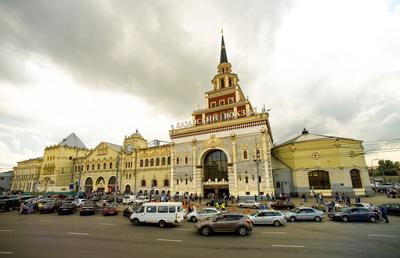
(223, 58)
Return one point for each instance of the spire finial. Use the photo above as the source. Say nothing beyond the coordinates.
(223, 58)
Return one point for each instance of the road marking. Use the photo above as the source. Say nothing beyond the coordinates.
(5, 230)
(294, 246)
(374, 235)
(6, 252)
(272, 232)
(106, 224)
(46, 220)
(77, 233)
(169, 240)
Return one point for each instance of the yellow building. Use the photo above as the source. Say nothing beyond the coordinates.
(225, 149)
(26, 175)
(319, 163)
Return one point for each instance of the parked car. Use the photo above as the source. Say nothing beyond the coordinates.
(202, 214)
(110, 210)
(356, 214)
(128, 199)
(249, 204)
(304, 213)
(47, 207)
(66, 208)
(362, 205)
(392, 208)
(282, 205)
(141, 200)
(163, 213)
(268, 217)
(79, 202)
(26, 198)
(89, 208)
(9, 204)
(225, 222)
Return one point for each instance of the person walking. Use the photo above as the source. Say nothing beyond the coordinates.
(384, 214)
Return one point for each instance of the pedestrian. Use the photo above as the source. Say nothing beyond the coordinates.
(358, 200)
(384, 214)
(347, 198)
(255, 197)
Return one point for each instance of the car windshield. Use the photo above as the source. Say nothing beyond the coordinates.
(346, 210)
(294, 210)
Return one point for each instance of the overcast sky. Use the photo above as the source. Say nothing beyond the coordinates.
(103, 69)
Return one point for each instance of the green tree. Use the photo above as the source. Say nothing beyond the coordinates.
(389, 167)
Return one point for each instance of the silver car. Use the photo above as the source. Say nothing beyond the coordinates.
(202, 214)
(268, 217)
(304, 213)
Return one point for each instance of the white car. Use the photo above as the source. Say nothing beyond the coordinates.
(202, 214)
(268, 217)
(79, 202)
(249, 204)
(141, 200)
(128, 199)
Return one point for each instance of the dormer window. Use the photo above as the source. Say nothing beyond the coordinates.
(221, 102)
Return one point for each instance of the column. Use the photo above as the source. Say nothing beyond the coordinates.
(234, 162)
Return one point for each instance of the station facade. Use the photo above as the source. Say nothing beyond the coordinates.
(225, 149)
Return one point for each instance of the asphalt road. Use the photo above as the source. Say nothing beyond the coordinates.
(50, 235)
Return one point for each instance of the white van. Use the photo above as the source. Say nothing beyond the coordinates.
(141, 200)
(128, 199)
(163, 213)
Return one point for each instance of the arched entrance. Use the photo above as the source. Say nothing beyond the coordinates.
(89, 185)
(111, 184)
(127, 189)
(355, 178)
(215, 174)
(100, 183)
(319, 180)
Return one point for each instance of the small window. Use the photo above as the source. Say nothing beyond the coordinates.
(152, 162)
(221, 102)
(169, 161)
(92, 166)
(222, 83)
(259, 179)
(245, 155)
(143, 182)
(171, 209)
(213, 104)
(166, 182)
(163, 161)
(146, 163)
(163, 209)
(141, 163)
(230, 100)
(177, 181)
(186, 160)
(130, 176)
(151, 209)
(87, 167)
(154, 183)
(104, 166)
(247, 180)
(177, 161)
(186, 181)
(98, 166)
(157, 161)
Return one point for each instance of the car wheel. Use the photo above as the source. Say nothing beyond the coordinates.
(292, 219)
(206, 231)
(242, 231)
(254, 207)
(135, 222)
(162, 224)
(372, 219)
(345, 219)
(240, 206)
(277, 223)
(193, 219)
(317, 219)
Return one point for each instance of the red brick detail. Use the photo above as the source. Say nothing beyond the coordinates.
(225, 97)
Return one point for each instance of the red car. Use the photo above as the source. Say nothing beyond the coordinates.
(110, 210)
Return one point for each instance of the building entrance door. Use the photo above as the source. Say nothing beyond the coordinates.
(216, 191)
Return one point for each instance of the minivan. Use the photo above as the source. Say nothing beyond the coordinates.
(162, 213)
(128, 199)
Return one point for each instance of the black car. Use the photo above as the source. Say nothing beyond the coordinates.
(392, 208)
(48, 207)
(9, 204)
(66, 208)
(89, 208)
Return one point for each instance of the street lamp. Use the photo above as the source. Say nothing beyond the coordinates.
(373, 174)
(257, 160)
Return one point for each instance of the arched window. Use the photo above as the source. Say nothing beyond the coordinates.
(355, 178)
(163, 161)
(186, 160)
(141, 163)
(244, 154)
(215, 166)
(319, 179)
(87, 167)
(157, 161)
(177, 161)
(110, 165)
(143, 182)
(130, 176)
(104, 166)
(92, 166)
(222, 83)
(146, 163)
(169, 161)
(152, 162)
(154, 183)
(98, 166)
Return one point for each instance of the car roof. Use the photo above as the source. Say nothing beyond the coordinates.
(162, 204)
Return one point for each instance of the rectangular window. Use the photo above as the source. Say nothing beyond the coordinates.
(163, 209)
(171, 209)
(221, 102)
(230, 100)
(213, 104)
(151, 209)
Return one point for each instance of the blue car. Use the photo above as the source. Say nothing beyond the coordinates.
(356, 214)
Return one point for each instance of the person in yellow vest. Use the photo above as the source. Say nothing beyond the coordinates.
(216, 205)
(223, 206)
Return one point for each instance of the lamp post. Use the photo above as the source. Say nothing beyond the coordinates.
(257, 160)
(373, 174)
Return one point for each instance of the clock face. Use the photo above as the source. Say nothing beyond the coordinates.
(129, 148)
